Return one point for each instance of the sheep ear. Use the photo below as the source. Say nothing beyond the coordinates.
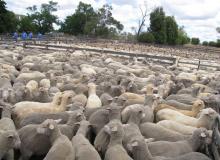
(134, 144)
(58, 121)
(203, 135)
(51, 126)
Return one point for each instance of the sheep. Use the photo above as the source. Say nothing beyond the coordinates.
(160, 133)
(140, 151)
(177, 104)
(37, 76)
(106, 99)
(102, 116)
(174, 149)
(115, 149)
(177, 127)
(69, 129)
(43, 96)
(132, 127)
(102, 138)
(93, 100)
(150, 100)
(23, 109)
(139, 99)
(196, 108)
(205, 119)
(7, 124)
(83, 149)
(61, 146)
(45, 83)
(9, 139)
(37, 118)
(38, 144)
(185, 98)
(80, 98)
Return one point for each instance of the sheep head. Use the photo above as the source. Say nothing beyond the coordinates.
(48, 126)
(10, 139)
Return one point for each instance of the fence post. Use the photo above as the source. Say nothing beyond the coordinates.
(198, 65)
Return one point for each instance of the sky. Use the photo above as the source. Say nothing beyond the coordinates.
(199, 17)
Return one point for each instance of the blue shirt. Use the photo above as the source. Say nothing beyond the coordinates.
(30, 35)
(24, 36)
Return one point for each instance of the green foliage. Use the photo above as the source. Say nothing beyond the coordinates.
(212, 43)
(171, 30)
(146, 37)
(25, 24)
(195, 41)
(205, 43)
(84, 20)
(41, 20)
(87, 21)
(182, 37)
(218, 43)
(158, 25)
(8, 21)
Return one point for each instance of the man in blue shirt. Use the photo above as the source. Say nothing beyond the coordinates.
(30, 35)
(39, 36)
(24, 36)
(15, 36)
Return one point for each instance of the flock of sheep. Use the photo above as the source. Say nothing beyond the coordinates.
(87, 106)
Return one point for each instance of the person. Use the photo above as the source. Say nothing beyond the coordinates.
(24, 36)
(15, 36)
(39, 36)
(30, 35)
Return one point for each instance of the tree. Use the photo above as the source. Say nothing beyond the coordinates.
(205, 43)
(218, 43)
(83, 21)
(25, 24)
(182, 37)
(87, 21)
(107, 26)
(195, 41)
(8, 21)
(171, 30)
(43, 18)
(146, 37)
(212, 44)
(158, 25)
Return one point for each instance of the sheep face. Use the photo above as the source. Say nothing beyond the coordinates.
(10, 138)
(114, 128)
(198, 105)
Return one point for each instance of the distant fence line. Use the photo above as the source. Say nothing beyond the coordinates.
(73, 39)
(198, 63)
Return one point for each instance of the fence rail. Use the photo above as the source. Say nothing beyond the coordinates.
(198, 64)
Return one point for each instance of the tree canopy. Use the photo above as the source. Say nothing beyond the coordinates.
(87, 21)
(8, 20)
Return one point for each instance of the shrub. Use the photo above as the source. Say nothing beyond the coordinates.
(212, 43)
(195, 41)
(146, 37)
(205, 43)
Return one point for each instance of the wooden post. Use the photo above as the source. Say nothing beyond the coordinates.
(198, 65)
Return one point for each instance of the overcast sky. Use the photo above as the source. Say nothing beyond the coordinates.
(199, 17)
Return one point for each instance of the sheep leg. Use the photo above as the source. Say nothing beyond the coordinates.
(9, 155)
